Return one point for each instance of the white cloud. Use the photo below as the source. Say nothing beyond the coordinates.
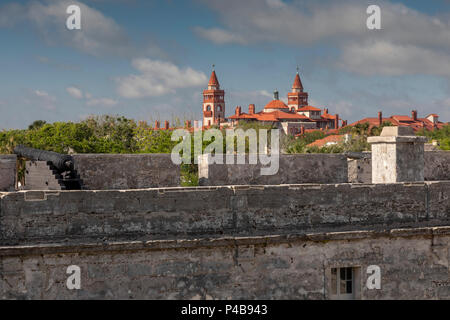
(90, 100)
(44, 95)
(297, 23)
(157, 78)
(99, 35)
(410, 42)
(385, 58)
(102, 102)
(75, 92)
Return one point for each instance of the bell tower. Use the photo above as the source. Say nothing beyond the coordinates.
(213, 102)
(297, 98)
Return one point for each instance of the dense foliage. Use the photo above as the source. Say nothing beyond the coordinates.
(442, 136)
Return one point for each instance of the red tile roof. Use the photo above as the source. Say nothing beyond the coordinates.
(328, 116)
(297, 83)
(274, 116)
(243, 116)
(276, 104)
(286, 115)
(402, 118)
(213, 80)
(329, 139)
(401, 121)
(309, 108)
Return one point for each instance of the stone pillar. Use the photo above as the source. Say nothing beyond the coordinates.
(397, 155)
(8, 165)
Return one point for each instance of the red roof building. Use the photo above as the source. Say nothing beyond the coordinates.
(329, 140)
(213, 102)
(293, 116)
(430, 122)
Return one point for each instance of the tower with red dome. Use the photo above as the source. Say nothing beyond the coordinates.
(213, 102)
(297, 98)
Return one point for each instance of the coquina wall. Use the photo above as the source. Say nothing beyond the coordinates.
(226, 242)
(293, 168)
(126, 171)
(42, 216)
(7, 172)
(414, 264)
(437, 167)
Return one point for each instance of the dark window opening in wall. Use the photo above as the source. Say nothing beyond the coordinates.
(342, 283)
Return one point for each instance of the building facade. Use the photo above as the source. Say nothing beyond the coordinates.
(294, 117)
(213, 102)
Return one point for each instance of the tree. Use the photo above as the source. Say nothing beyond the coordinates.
(36, 124)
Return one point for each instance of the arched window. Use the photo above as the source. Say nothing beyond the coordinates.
(208, 108)
(219, 108)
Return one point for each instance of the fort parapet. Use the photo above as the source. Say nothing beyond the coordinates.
(312, 168)
(46, 216)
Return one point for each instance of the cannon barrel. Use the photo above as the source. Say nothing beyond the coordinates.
(62, 162)
(357, 155)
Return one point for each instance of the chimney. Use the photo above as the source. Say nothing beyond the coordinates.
(238, 111)
(325, 111)
(166, 125)
(251, 109)
(336, 122)
(380, 118)
(414, 115)
(156, 125)
(344, 123)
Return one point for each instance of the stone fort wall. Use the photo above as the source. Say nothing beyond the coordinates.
(137, 171)
(36, 216)
(7, 172)
(312, 168)
(437, 167)
(293, 168)
(414, 264)
(126, 171)
(249, 242)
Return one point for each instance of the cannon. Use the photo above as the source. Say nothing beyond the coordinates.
(62, 165)
(62, 162)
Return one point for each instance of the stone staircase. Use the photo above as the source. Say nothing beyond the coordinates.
(42, 175)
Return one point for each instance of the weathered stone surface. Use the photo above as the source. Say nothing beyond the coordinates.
(414, 264)
(42, 216)
(126, 171)
(293, 169)
(397, 156)
(7, 172)
(39, 176)
(437, 167)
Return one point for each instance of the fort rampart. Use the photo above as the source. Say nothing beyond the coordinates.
(178, 213)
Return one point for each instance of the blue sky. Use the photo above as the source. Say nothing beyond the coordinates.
(150, 60)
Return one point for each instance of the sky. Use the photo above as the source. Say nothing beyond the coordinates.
(150, 59)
